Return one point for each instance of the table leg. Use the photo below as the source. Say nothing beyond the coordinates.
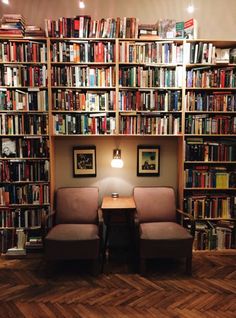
(107, 223)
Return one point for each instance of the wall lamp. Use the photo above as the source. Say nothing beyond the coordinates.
(117, 162)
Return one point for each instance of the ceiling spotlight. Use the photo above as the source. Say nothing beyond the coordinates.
(190, 8)
(81, 4)
(5, 1)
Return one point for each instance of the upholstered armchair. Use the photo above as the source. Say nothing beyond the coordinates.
(75, 233)
(159, 234)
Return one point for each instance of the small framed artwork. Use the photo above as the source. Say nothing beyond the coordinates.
(84, 161)
(148, 161)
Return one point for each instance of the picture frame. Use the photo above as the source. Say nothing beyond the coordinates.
(148, 160)
(84, 161)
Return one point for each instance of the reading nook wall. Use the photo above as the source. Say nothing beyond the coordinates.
(116, 180)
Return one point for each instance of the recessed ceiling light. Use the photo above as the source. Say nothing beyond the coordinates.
(190, 8)
(81, 4)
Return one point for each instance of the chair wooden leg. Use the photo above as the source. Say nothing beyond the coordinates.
(189, 265)
(95, 267)
(142, 266)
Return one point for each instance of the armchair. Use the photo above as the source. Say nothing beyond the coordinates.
(75, 232)
(159, 234)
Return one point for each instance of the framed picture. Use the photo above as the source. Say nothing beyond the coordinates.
(84, 161)
(148, 161)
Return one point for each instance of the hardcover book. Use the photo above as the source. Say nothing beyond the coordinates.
(191, 29)
(8, 147)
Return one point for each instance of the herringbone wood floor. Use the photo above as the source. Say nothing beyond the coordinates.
(29, 288)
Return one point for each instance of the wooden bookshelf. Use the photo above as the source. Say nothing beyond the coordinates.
(25, 155)
(210, 149)
(114, 86)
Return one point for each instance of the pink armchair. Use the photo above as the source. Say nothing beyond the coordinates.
(75, 233)
(159, 233)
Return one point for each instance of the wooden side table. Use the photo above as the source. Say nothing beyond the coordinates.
(113, 207)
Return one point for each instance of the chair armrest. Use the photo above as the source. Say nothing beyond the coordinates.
(185, 214)
(47, 221)
(191, 218)
(100, 230)
(100, 216)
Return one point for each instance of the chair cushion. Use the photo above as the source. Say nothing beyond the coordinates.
(163, 231)
(72, 241)
(164, 239)
(73, 232)
(77, 205)
(155, 204)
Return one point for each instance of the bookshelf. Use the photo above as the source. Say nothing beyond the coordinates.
(104, 85)
(24, 139)
(83, 86)
(150, 87)
(209, 142)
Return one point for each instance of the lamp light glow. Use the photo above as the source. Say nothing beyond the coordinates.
(117, 162)
(5, 1)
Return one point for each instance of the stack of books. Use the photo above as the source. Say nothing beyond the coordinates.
(12, 25)
(148, 31)
(34, 31)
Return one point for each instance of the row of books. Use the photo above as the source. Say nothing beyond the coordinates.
(204, 77)
(211, 101)
(67, 99)
(82, 26)
(209, 177)
(208, 124)
(154, 52)
(24, 147)
(154, 100)
(31, 124)
(26, 100)
(211, 237)
(24, 194)
(29, 51)
(208, 206)
(83, 52)
(169, 29)
(22, 170)
(208, 53)
(143, 124)
(150, 76)
(22, 75)
(84, 124)
(26, 218)
(210, 150)
(83, 76)
(13, 244)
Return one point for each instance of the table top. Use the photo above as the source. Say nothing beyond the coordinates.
(110, 203)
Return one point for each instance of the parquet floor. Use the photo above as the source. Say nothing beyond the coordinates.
(31, 289)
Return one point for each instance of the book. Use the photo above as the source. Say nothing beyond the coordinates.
(191, 29)
(14, 251)
(167, 28)
(232, 56)
(179, 29)
(222, 55)
(8, 147)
